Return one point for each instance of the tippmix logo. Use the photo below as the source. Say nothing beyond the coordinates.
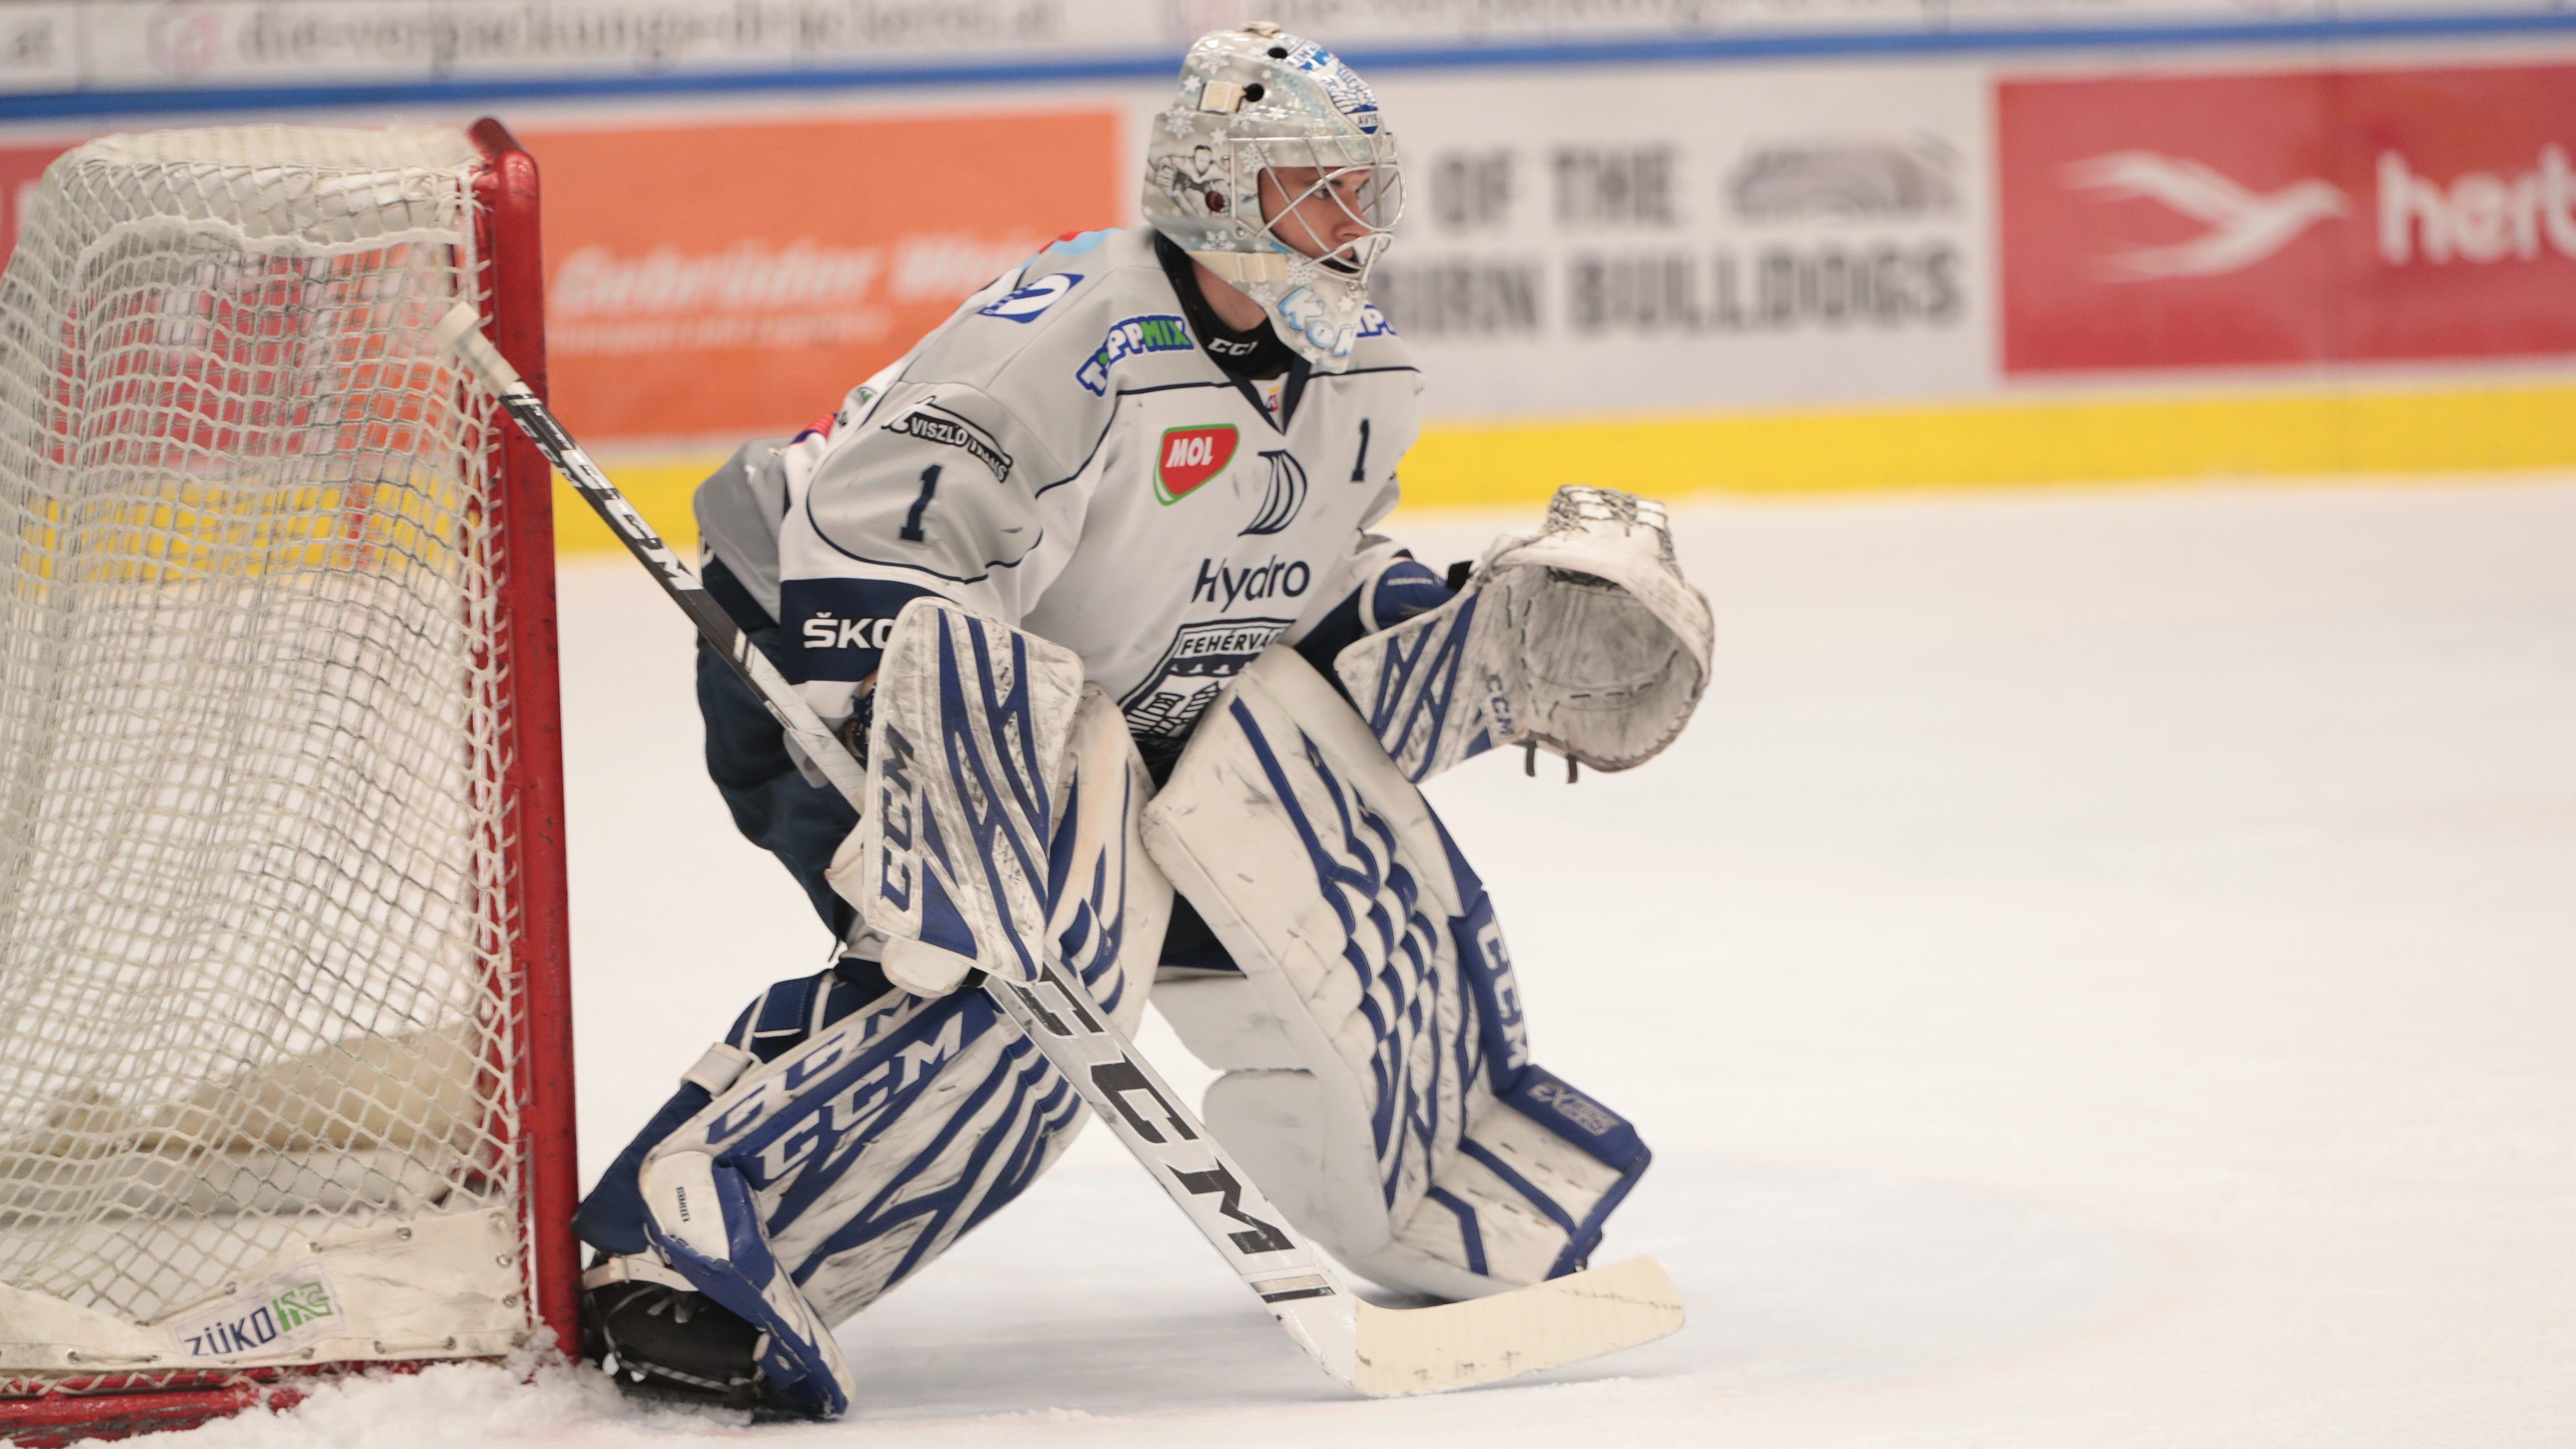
(1131, 337)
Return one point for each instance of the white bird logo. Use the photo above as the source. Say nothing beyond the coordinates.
(2244, 227)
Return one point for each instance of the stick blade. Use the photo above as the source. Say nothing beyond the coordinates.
(1564, 1320)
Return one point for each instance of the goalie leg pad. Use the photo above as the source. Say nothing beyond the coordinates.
(704, 1224)
(1379, 1080)
(845, 1163)
(968, 753)
(776, 1022)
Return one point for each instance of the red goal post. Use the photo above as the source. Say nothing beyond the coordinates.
(285, 1028)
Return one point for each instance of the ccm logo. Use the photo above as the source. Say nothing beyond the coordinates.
(1580, 1110)
(824, 631)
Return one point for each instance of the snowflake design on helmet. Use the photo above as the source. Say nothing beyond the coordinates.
(1259, 100)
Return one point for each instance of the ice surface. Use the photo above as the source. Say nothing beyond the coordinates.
(2100, 971)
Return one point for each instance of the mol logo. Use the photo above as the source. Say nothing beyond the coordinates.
(1190, 457)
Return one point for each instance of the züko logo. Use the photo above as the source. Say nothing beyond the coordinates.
(1190, 457)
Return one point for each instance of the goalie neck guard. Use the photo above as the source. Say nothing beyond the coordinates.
(1258, 99)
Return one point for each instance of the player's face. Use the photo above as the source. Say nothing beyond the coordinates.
(1317, 213)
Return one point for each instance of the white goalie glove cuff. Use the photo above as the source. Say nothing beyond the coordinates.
(1583, 637)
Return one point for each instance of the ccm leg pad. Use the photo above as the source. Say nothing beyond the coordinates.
(1379, 1084)
(706, 1225)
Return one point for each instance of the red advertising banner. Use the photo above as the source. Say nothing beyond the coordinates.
(2291, 217)
(738, 279)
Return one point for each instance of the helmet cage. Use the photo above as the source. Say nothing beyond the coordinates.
(1259, 103)
(1357, 177)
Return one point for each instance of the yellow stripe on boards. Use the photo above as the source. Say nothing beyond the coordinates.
(2021, 443)
(660, 489)
(2059, 441)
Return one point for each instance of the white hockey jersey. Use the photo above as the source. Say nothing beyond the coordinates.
(1063, 455)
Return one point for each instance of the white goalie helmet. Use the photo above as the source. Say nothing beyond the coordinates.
(1258, 100)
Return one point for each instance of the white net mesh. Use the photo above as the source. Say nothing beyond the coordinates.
(252, 980)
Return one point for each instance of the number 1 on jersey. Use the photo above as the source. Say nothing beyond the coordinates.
(912, 520)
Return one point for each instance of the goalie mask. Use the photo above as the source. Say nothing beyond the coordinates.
(1255, 101)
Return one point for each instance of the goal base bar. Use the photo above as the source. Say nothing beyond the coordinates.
(70, 1416)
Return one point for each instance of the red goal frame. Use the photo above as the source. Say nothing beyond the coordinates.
(533, 919)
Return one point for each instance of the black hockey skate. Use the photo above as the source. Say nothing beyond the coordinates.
(671, 1345)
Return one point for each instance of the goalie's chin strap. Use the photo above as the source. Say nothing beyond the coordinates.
(1242, 267)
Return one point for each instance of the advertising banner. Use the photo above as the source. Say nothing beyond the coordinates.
(2298, 217)
(734, 279)
(78, 49)
(1690, 240)
(21, 167)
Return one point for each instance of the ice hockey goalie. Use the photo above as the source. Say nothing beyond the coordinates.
(1161, 452)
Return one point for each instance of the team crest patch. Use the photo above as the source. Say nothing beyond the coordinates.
(1349, 94)
(1030, 302)
(1132, 337)
(1190, 457)
(1193, 673)
(934, 424)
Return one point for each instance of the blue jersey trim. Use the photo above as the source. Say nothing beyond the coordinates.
(1157, 65)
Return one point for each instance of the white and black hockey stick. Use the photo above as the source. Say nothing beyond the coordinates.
(1375, 1350)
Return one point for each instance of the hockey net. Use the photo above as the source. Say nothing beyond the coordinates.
(282, 1047)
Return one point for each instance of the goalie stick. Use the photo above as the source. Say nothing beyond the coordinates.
(1375, 1350)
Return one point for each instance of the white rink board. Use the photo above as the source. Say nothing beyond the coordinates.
(1688, 238)
(2095, 975)
(1681, 238)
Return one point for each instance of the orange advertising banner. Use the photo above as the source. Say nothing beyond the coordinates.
(735, 280)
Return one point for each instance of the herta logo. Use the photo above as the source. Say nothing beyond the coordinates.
(1131, 338)
(1190, 457)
